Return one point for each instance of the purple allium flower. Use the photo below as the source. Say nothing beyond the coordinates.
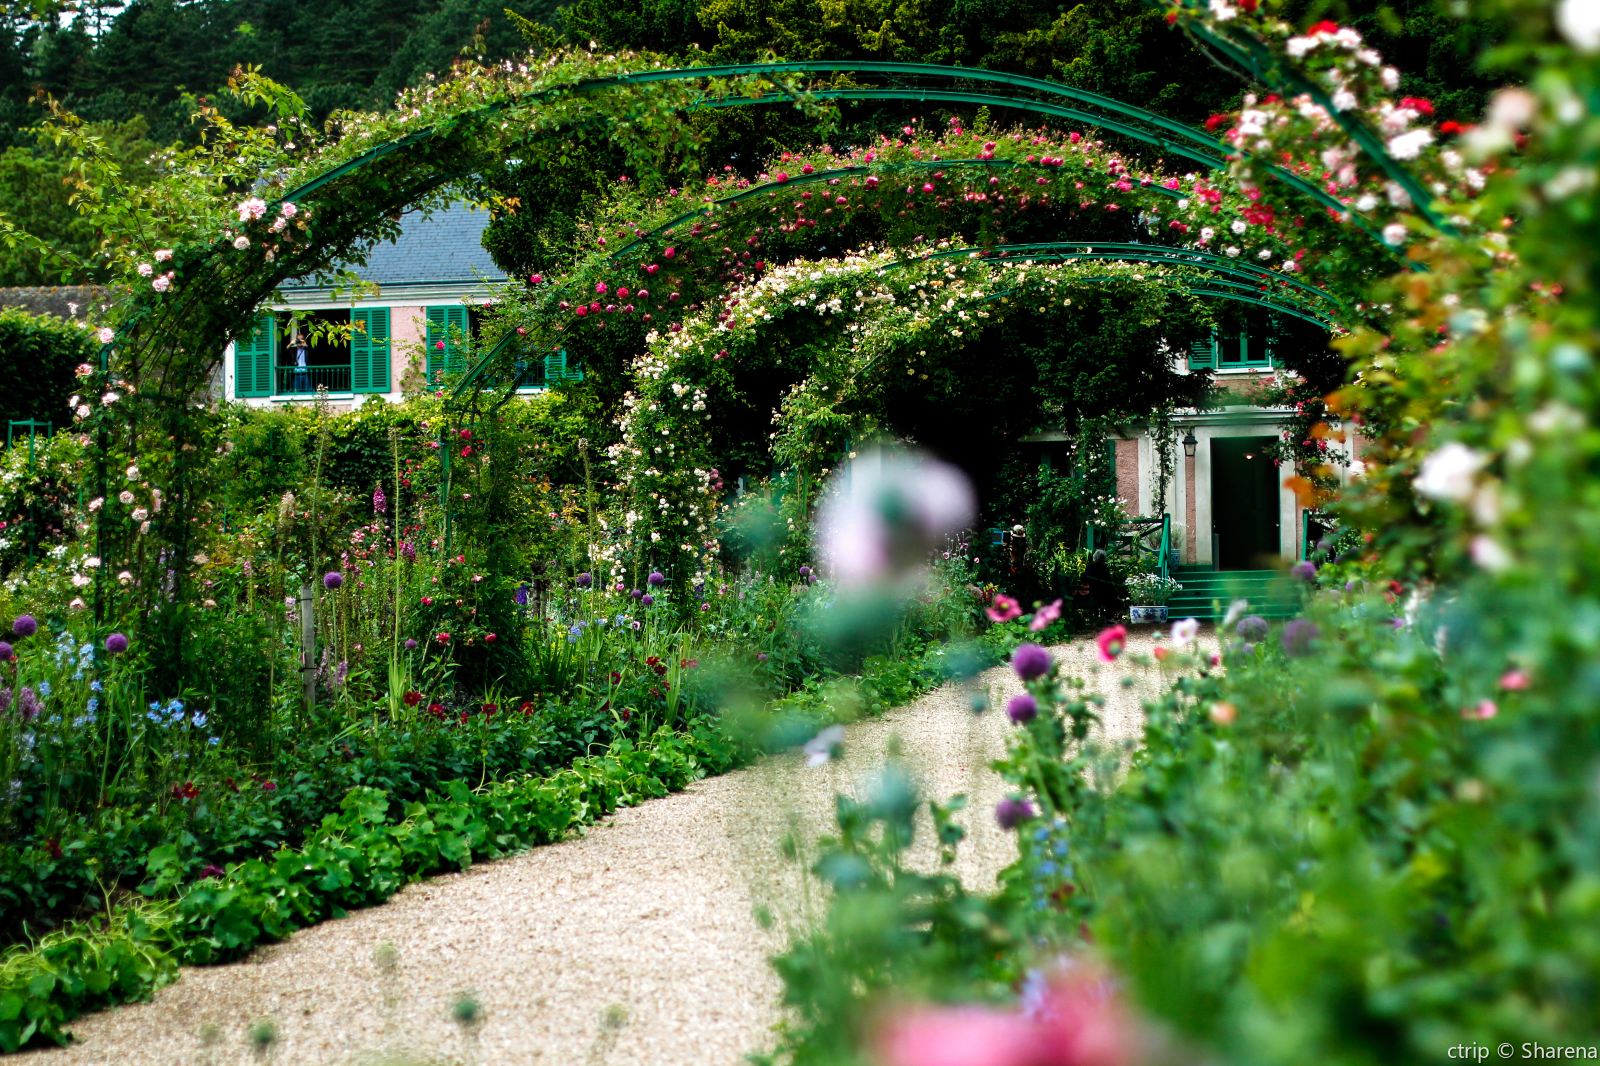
(28, 704)
(332, 579)
(1253, 628)
(1304, 570)
(657, 578)
(1298, 636)
(1031, 661)
(411, 644)
(636, 593)
(1012, 812)
(585, 579)
(25, 625)
(521, 595)
(116, 644)
(1022, 708)
(646, 600)
(805, 571)
(380, 502)
(6, 653)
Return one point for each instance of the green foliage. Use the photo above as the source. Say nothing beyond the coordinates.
(38, 355)
(398, 811)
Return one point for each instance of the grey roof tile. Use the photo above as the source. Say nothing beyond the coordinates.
(446, 246)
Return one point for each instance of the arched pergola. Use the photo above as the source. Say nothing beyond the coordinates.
(169, 344)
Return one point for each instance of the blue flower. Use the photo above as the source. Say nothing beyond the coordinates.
(44, 688)
(213, 741)
(200, 720)
(94, 686)
(93, 704)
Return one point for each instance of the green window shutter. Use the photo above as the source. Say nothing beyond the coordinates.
(253, 358)
(369, 349)
(1203, 354)
(448, 323)
(557, 372)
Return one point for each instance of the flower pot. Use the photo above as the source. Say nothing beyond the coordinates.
(1153, 613)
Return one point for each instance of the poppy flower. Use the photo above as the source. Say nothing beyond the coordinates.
(1111, 641)
(1004, 609)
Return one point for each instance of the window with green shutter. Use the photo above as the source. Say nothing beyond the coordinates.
(557, 372)
(448, 329)
(1203, 354)
(369, 349)
(1238, 353)
(253, 355)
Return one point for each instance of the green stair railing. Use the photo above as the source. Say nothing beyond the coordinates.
(1137, 537)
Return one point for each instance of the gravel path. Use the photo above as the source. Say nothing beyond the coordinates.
(636, 943)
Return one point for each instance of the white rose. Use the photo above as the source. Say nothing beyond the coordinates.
(1579, 23)
(1449, 472)
(1410, 145)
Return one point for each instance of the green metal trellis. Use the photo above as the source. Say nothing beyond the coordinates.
(1216, 276)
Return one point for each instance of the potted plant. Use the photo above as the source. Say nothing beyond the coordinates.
(1148, 595)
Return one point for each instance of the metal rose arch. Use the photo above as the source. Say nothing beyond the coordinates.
(169, 344)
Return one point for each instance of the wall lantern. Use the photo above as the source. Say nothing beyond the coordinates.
(1189, 443)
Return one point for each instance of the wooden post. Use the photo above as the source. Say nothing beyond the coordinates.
(308, 646)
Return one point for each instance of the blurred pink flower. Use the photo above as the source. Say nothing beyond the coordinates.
(1076, 1019)
(887, 512)
(1111, 641)
(1045, 616)
(1004, 608)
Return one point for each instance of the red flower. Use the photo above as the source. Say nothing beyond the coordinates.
(1417, 104)
(442, 638)
(489, 638)
(268, 786)
(187, 791)
(1218, 120)
(413, 698)
(211, 869)
(490, 708)
(526, 707)
(437, 710)
(1111, 641)
(1451, 126)
(427, 601)
(1325, 26)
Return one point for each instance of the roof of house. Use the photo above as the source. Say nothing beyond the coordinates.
(443, 248)
(63, 301)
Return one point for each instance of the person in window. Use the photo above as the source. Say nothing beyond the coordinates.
(302, 376)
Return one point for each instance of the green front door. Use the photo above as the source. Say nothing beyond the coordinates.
(1244, 503)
